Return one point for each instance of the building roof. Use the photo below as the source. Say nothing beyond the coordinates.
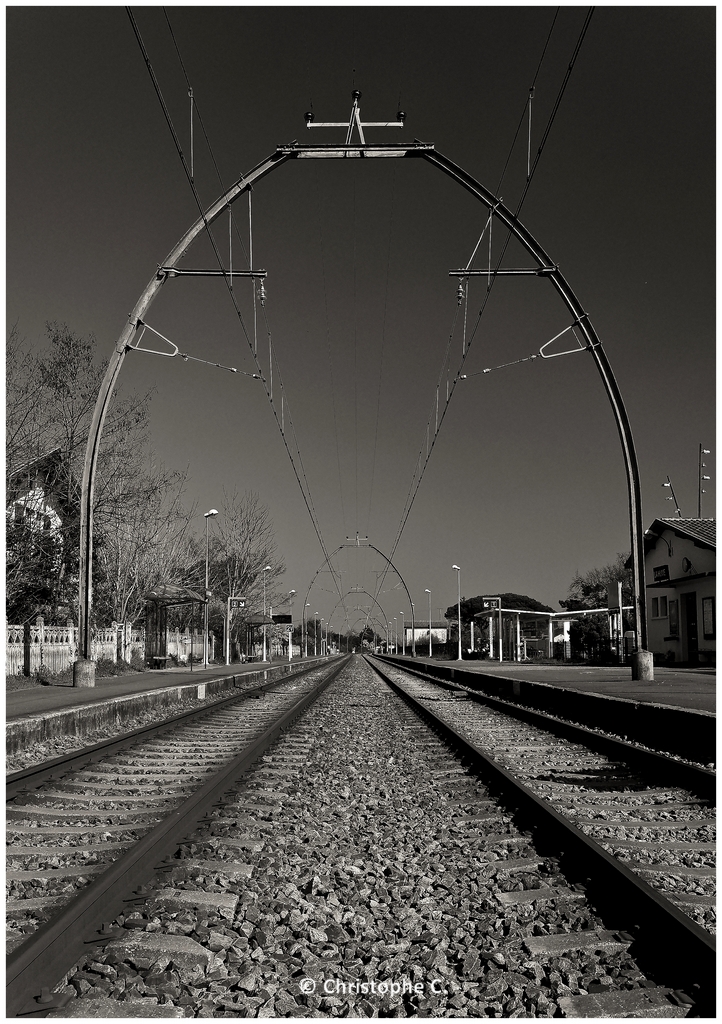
(701, 531)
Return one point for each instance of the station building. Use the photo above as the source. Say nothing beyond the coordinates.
(680, 564)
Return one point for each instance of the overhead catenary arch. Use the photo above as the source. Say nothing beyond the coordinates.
(545, 266)
(362, 542)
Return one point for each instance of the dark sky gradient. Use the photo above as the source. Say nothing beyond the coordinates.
(526, 484)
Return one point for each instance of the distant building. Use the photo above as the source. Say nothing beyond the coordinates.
(680, 569)
(32, 495)
(439, 632)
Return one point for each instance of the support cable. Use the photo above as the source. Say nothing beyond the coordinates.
(329, 353)
(416, 481)
(179, 149)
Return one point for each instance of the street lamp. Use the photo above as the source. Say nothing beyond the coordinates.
(396, 632)
(290, 626)
(322, 651)
(206, 515)
(427, 591)
(403, 635)
(389, 638)
(413, 632)
(305, 633)
(458, 581)
(315, 632)
(267, 569)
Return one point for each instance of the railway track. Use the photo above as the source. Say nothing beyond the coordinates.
(86, 828)
(641, 825)
(358, 866)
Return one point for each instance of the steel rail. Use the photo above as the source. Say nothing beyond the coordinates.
(661, 766)
(36, 775)
(51, 951)
(667, 941)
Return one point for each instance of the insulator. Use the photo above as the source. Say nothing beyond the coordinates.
(401, 115)
(460, 293)
(310, 116)
(262, 293)
(356, 95)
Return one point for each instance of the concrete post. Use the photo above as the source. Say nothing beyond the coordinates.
(643, 665)
(84, 673)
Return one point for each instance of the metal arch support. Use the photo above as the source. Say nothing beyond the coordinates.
(377, 603)
(414, 150)
(599, 356)
(107, 388)
(403, 581)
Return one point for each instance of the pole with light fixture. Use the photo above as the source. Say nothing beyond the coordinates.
(267, 569)
(458, 582)
(403, 635)
(701, 478)
(427, 591)
(305, 631)
(207, 515)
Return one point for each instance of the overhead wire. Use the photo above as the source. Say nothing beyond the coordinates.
(416, 479)
(166, 113)
(329, 352)
(383, 343)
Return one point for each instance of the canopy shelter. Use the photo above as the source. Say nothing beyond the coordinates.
(157, 603)
(253, 622)
(494, 614)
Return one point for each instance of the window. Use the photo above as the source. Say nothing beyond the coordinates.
(663, 607)
(708, 617)
(655, 607)
(674, 618)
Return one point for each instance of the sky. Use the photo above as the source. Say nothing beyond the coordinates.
(525, 486)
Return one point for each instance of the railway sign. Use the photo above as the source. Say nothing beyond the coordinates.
(236, 602)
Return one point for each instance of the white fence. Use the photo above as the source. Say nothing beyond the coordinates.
(52, 649)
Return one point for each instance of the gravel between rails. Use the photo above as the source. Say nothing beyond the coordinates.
(362, 860)
(665, 835)
(63, 834)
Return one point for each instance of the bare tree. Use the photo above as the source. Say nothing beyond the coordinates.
(243, 545)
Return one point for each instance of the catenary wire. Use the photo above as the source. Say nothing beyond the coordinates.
(416, 480)
(307, 497)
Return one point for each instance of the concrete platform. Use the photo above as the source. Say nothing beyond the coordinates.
(675, 713)
(676, 687)
(42, 713)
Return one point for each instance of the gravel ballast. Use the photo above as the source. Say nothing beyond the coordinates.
(361, 871)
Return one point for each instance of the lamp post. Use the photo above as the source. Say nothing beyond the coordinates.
(267, 569)
(458, 581)
(305, 632)
(396, 634)
(389, 638)
(206, 515)
(427, 591)
(413, 632)
(322, 651)
(290, 626)
(403, 635)
(315, 632)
